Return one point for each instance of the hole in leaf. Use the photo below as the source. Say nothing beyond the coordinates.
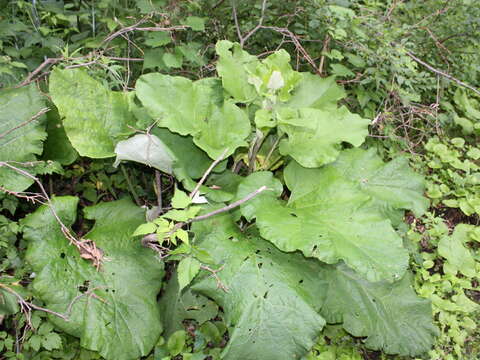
(301, 281)
(257, 251)
(294, 215)
(84, 287)
(314, 248)
(260, 265)
(265, 295)
(62, 255)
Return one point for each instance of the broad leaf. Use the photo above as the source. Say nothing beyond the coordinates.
(272, 299)
(21, 133)
(95, 118)
(332, 221)
(178, 103)
(391, 316)
(196, 109)
(117, 314)
(315, 136)
(234, 66)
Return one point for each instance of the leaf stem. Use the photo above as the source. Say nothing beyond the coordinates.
(130, 186)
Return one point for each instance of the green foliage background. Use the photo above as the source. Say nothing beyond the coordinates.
(90, 74)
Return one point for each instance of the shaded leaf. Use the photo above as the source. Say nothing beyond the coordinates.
(117, 314)
(176, 306)
(57, 147)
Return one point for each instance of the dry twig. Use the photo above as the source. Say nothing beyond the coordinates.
(207, 172)
(86, 247)
(441, 73)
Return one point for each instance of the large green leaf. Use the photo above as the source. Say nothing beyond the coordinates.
(95, 118)
(331, 221)
(272, 299)
(21, 133)
(196, 109)
(315, 136)
(234, 66)
(118, 314)
(392, 317)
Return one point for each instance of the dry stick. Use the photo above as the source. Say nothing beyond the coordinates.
(29, 305)
(136, 28)
(256, 28)
(33, 118)
(207, 172)
(47, 62)
(444, 74)
(65, 316)
(158, 181)
(296, 42)
(214, 272)
(84, 247)
(326, 42)
(228, 207)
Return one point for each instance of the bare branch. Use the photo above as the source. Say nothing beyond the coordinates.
(136, 27)
(207, 172)
(86, 247)
(47, 62)
(228, 207)
(444, 74)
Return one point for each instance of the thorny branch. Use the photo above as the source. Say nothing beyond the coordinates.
(86, 247)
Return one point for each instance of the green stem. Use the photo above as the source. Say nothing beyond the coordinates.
(130, 186)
